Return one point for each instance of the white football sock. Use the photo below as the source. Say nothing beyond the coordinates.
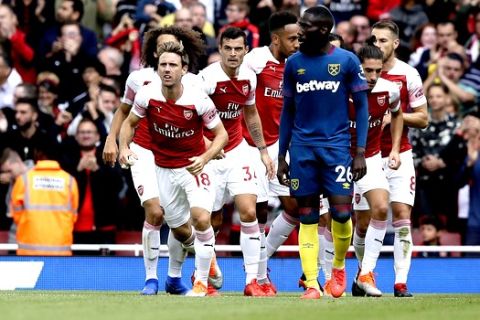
(176, 256)
(204, 251)
(402, 249)
(250, 244)
(359, 245)
(373, 244)
(263, 262)
(321, 248)
(151, 249)
(329, 254)
(280, 230)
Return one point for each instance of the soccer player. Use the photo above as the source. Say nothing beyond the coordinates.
(401, 181)
(176, 115)
(143, 171)
(268, 63)
(314, 128)
(371, 192)
(232, 88)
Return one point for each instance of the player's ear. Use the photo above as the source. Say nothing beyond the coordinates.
(275, 38)
(396, 43)
(184, 70)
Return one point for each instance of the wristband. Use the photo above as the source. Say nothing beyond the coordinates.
(262, 148)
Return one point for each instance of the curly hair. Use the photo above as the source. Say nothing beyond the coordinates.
(191, 41)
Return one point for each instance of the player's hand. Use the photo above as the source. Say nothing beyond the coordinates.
(267, 161)
(127, 158)
(196, 167)
(110, 152)
(394, 160)
(359, 167)
(283, 172)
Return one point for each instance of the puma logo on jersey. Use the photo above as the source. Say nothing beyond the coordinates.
(314, 85)
(272, 68)
(224, 89)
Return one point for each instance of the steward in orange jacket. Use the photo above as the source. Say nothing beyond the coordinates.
(44, 204)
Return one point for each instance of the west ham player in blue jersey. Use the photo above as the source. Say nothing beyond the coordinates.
(314, 128)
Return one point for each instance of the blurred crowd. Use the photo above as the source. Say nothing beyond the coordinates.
(63, 66)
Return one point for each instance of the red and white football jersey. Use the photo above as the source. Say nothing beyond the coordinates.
(409, 82)
(268, 95)
(230, 96)
(176, 127)
(385, 95)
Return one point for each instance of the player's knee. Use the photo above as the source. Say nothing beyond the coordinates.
(182, 233)
(248, 214)
(154, 213)
(201, 222)
(309, 215)
(341, 212)
(380, 211)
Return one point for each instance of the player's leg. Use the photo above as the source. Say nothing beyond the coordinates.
(305, 187)
(338, 185)
(176, 257)
(283, 224)
(375, 233)
(249, 241)
(402, 196)
(145, 182)
(200, 194)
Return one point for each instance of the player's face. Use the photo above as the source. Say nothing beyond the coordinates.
(288, 40)
(313, 30)
(372, 68)
(437, 98)
(170, 69)
(386, 41)
(232, 52)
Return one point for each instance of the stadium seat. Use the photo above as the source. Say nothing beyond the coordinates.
(3, 239)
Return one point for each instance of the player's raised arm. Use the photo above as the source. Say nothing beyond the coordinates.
(254, 125)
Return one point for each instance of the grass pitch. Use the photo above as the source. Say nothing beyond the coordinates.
(93, 305)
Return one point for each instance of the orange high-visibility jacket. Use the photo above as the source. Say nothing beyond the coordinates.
(44, 204)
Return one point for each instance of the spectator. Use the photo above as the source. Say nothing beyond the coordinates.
(362, 24)
(430, 228)
(125, 37)
(21, 52)
(69, 11)
(69, 64)
(199, 16)
(348, 32)
(99, 186)
(150, 13)
(9, 79)
(409, 16)
(26, 133)
(449, 72)
(183, 18)
(113, 59)
(435, 192)
(11, 167)
(343, 10)
(425, 38)
(237, 12)
(44, 204)
(380, 9)
(472, 45)
(469, 173)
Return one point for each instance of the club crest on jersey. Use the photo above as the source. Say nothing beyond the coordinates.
(294, 183)
(140, 190)
(381, 100)
(245, 89)
(301, 72)
(188, 114)
(334, 68)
